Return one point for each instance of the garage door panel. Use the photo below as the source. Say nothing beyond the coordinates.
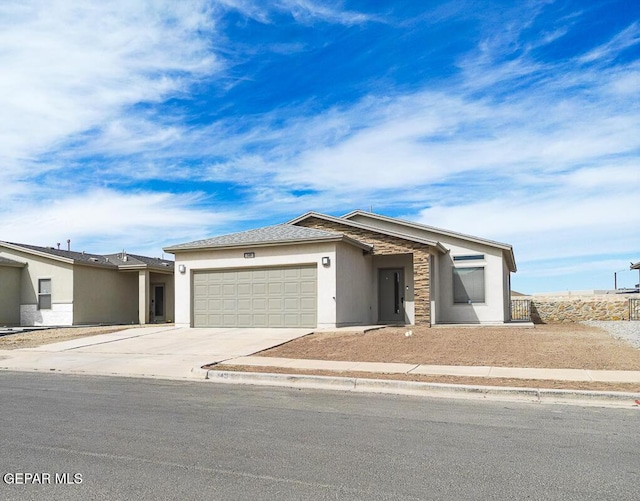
(275, 303)
(244, 304)
(291, 304)
(308, 272)
(259, 304)
(262, 297)
(308, 304)
(275, 274)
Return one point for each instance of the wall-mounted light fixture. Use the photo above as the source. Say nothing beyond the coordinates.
(326, 261)
(182, 268)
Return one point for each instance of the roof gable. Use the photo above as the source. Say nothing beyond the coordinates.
(367, 227)
(370, 221)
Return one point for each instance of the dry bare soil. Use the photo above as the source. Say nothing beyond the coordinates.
(47, 336)
(556, 346)
(570, 346)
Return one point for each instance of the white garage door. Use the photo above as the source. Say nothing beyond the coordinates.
(259, 297)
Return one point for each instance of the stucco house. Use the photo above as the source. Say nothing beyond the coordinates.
(359, 269)
(50, 286)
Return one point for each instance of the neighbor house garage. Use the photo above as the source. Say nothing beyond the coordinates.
(321, 271)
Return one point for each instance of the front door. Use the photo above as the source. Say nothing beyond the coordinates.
(391, 295)
(157, 307)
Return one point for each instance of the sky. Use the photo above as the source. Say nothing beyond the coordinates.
(138, 125)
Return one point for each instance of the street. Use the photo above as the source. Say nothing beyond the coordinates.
(121, 438)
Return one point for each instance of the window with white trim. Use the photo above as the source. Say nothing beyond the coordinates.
(468, 285)
(44, 294)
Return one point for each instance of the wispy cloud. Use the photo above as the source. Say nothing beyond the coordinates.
(519, 128)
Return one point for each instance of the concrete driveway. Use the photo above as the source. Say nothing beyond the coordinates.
(148, 351)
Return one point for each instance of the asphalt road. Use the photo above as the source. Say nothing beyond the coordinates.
(152, 439)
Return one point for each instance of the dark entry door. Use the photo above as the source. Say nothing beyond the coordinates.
(391, 295)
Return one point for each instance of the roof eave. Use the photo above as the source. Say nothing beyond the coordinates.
(34, 252)
(275, 243)
(13, 264)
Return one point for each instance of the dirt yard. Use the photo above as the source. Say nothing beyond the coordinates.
(47, 336)
(563, 346)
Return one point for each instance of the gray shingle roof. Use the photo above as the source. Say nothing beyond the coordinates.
(281, 233)
(109, 260)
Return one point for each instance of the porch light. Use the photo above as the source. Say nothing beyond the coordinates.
(182, 268)
(326, 261)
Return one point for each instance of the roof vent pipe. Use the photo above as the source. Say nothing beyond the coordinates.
(58, 244)
(68, 244)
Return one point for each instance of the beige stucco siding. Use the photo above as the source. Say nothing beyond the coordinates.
(493, 308)
(354, 298)
(10, 295)
(284, 255)
(61, 276)
(105, 295)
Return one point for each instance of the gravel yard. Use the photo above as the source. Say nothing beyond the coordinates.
(628, 332)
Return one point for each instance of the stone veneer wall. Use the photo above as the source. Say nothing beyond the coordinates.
(385, 245)
(555, 309)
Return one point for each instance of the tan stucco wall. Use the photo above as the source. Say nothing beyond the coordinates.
(355, 302)
(10, 295)
(60, 273)
(105, 296)
(264, 256)
(494, 309)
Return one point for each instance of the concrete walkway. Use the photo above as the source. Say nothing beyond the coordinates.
(440, 370)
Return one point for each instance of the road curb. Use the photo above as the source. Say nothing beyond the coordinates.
(415, 388)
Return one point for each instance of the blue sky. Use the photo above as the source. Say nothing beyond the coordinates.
(136, 125)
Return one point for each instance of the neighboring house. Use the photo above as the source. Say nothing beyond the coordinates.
(48, 286)
(358, 269)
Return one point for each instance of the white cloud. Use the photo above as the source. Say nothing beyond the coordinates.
(105, 219)
(69, 67)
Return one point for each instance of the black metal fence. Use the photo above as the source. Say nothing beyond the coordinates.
(521, 310)
(634, 309)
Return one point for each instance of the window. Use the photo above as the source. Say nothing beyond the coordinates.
(474, 257)
(468, 285)
(44, 294)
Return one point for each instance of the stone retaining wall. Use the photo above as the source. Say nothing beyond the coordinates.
(555, 309)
